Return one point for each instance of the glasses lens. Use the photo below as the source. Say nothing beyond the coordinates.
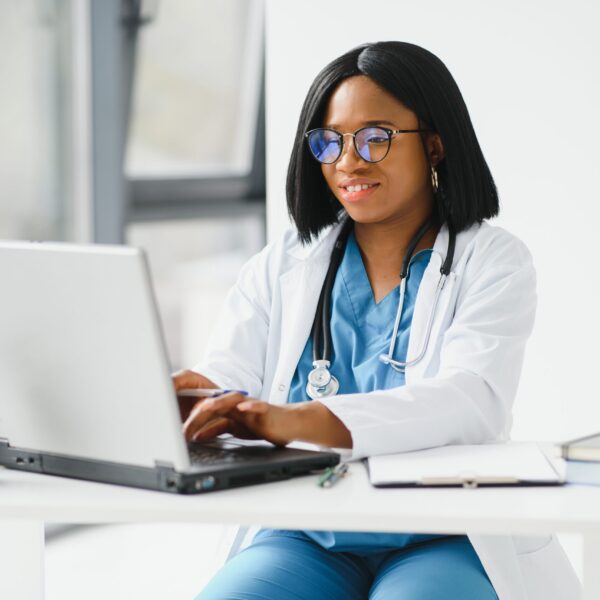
(325, 145)
(372, 143)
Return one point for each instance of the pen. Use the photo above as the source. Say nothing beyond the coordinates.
(206, 392)
(332, 475)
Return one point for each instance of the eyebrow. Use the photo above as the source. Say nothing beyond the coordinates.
(365, 124)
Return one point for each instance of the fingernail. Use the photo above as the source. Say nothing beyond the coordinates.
(244, 405)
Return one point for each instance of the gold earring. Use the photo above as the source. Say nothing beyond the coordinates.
(434, 179)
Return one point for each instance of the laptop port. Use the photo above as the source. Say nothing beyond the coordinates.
(206, 483)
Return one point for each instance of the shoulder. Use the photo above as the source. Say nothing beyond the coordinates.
(492, 244)
(319, 248)
(286, 250)
(282, 255)
(495, 262)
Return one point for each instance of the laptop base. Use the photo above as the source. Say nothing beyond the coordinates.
(285, 463)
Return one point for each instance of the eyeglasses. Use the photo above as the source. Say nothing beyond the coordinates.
(372, 144)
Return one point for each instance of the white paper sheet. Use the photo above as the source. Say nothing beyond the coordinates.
(521, 461)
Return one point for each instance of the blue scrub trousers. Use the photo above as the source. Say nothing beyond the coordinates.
(288, 565)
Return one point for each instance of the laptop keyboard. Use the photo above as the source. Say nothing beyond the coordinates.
(205, 455)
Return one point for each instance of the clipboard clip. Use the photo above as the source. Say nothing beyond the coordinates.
(468, 481)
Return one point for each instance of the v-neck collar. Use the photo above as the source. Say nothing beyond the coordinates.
(356, 280)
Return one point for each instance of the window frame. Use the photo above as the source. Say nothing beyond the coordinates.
(118, 198)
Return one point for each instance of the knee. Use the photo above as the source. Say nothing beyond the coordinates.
(432, 589)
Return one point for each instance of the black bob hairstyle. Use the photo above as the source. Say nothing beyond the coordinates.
(466, 190)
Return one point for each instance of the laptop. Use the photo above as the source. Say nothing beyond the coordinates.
(85, 387)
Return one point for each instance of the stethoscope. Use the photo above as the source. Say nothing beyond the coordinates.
(321, 383)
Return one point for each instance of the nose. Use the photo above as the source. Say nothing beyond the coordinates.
(349, 157)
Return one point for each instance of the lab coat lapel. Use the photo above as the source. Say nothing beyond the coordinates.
(299, 288)
(424, 305)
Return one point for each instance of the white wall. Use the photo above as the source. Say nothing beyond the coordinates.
(529, 73)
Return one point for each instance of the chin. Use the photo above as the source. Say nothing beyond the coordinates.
(367, 215)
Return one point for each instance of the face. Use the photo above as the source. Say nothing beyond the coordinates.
(400, 184)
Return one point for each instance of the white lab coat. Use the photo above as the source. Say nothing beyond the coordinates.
(460, 393)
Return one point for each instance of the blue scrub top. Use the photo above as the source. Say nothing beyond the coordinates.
(361, 330)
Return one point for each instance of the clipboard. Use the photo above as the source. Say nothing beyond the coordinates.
(507, 464)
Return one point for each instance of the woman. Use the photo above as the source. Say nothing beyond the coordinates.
(429, 309)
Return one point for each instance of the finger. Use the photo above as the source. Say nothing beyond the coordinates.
(253, 406)
(207, 410)
(190, 379)
(186, 378)
(225, 402)
(213, 429)
(240, 430)
(187, 404)
(241, 425)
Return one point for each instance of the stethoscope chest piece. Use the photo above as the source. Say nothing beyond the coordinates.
(321, 383)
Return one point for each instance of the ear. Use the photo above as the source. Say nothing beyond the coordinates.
(435, 148)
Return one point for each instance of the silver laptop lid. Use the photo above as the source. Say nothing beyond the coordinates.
(83, 369)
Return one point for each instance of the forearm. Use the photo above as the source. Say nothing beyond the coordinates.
(315, 423)
(457, 408)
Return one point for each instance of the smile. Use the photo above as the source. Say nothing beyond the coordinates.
(357, 191)
(357, 188)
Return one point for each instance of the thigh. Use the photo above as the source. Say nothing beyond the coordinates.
(289, 568)
(436, 570)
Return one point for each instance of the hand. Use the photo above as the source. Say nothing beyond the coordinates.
(241, 416)
(189, 379)
(249, 418)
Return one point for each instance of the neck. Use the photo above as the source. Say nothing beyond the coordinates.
(383, 245)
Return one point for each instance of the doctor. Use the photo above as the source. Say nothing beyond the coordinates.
(423, 312)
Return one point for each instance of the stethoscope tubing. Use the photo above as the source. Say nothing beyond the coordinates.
(321, 329)
(402, 366)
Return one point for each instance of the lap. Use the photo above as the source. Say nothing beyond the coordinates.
(444, 568)
(290, 567)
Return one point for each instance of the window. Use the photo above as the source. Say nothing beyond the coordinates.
(38, 165)
(196, 88)
(196, 136)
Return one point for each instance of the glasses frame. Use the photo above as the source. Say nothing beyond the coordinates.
(390, 135)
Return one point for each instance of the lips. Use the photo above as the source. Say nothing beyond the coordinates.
(357, 189)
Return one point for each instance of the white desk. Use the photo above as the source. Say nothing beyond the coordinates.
(28, 500)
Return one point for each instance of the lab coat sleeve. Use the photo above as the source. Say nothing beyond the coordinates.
(469, 400)
(235, 355)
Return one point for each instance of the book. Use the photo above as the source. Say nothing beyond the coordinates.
(582, 449)
(583, 471)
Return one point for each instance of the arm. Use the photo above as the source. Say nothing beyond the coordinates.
(470, 398)
(235, 356)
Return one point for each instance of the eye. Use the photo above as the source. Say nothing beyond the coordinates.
(377, 139)
(374, 136)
